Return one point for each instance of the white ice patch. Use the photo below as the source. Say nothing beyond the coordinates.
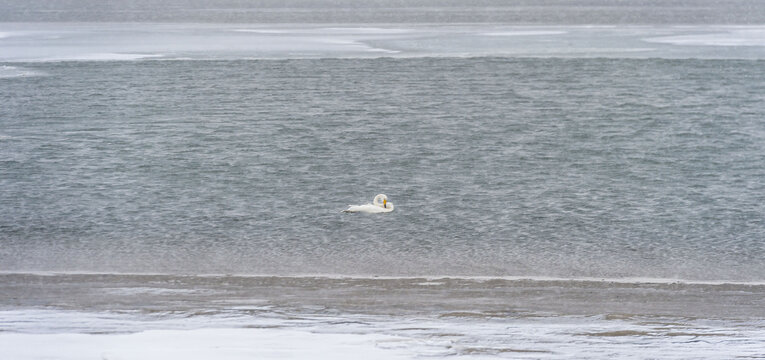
(307, 31)
(738, 37)
(525, 33)
(355, 45)
(262, 31)
(7, 72)
(366, 30)
(134, 291)
(104, 57)
(230, 344)
(122, 42)
(50, 334)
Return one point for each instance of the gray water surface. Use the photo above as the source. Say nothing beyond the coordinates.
(556, 12)
(497, 166)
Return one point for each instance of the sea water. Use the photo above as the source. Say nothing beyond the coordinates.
(498, 166)
(561, 190)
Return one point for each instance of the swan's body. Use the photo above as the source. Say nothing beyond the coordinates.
(367, 208)
(379, 205)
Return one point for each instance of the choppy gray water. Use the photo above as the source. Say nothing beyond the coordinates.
(497, 166)
(381, 11)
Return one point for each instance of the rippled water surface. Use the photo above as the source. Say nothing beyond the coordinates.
(497, 166)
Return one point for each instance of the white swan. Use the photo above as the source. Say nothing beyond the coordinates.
(379, 205)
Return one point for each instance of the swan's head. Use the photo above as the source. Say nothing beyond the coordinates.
(380, 200)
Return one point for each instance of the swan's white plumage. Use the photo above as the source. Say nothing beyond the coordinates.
(379, 205)
(366, 208)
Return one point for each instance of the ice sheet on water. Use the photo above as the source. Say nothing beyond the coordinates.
(525, 33)
(7, 72)
(722, 37)
(339, 336)
(102, 57)
(117, 42)
(197, 344)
